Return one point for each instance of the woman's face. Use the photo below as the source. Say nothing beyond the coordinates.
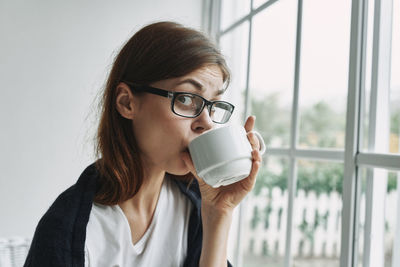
(162, 135)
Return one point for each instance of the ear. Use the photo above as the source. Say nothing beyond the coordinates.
(125, 101)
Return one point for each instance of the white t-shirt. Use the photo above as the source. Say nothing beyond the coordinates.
(109, 241)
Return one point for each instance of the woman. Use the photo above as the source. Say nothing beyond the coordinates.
(141, 203)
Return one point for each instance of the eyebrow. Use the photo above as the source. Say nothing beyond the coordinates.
(198, 85)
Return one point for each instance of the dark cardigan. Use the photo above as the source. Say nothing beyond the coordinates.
(59, 238)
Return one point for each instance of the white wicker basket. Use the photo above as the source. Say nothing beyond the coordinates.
(13, 251)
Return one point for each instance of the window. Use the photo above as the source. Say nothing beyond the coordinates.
(379, 213)
(323, 79)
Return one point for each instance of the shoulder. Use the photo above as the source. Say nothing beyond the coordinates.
(62, 227)
(69, 204)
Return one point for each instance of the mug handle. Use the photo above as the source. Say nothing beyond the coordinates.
(261, 140)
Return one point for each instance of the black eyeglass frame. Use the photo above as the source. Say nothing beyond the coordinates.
(173, 95)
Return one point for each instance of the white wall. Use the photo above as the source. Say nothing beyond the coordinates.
(54, 58)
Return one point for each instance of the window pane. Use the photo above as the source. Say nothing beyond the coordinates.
(233, 10)
(364, 135)
(382, 138)
(257, 3)
(317, 214)
(234, 46)
(272, 71)
(324, 73)
(394, 143)
(265, 216)
(384, 200)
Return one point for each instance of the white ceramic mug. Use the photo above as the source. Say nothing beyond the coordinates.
(222, 156)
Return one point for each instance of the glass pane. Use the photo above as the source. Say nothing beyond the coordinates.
(265, 216)
(272, 71)
(234, 46)
(368, 69)
(386, 136)
(233, 10)
(257, 3)
(317, 214)
(394, 143)
(379, 217)
(324, 73)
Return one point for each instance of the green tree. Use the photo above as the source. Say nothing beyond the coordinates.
(320, 177)
(314, 176)
(272, 121)
(320, 125)
(268, 179)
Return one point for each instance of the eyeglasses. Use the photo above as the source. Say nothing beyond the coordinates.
(190, 105)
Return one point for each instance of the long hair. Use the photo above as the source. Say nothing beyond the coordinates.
(156, 52)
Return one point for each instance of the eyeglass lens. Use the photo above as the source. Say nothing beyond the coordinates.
(190, 105)
(221, 112)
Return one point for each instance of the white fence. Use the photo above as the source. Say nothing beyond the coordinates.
(317, 224)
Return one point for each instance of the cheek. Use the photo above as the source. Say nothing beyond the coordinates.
(161, 133)
(172, 132)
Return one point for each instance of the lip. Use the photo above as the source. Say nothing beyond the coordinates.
(207, 132)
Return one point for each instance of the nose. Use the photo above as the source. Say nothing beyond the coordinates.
(203, 122)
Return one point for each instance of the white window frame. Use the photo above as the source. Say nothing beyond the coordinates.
(352, 157)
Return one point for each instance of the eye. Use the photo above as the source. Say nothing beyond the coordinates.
(186, 100)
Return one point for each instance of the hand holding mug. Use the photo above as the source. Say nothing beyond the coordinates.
(222, 156)
(237, 159)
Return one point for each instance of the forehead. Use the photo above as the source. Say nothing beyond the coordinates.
(205, 78)
(210, 74)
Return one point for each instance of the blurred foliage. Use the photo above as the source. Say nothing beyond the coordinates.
(271, 120)
(268, 179)
(395, 122)
(308, 228)
(319, 126)
(256, 218)
(392, 181)
(318, 177)
(267, 212)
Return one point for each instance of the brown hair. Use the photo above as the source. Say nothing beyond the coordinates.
(158, 51)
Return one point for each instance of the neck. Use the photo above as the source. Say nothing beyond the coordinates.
(145, 200)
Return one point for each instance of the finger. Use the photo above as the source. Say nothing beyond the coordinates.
(257, 155)
(249, 125)
(250, 181)
(254, 141)
(257, 159)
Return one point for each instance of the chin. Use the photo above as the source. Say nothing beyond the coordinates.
(179, 169)
(179, 172)
(176, 166)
